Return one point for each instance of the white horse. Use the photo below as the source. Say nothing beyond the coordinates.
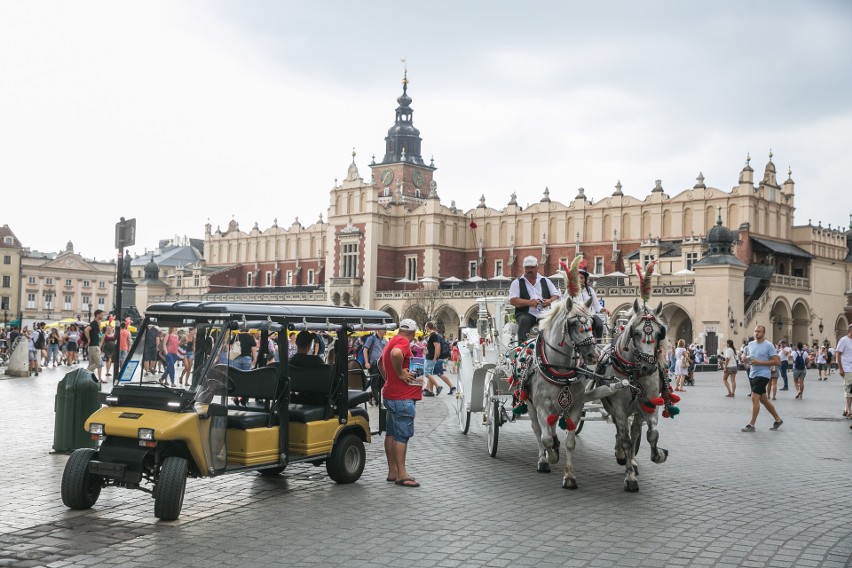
(633, 355)
(553, 384)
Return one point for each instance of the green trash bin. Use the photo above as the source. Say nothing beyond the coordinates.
(76, 400)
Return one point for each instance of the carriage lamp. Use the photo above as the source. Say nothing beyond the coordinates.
(780, 323)
(732, 322)
(820, 327)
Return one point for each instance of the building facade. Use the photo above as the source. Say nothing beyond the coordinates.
(391, 243)
(64, 285)
(11, 250)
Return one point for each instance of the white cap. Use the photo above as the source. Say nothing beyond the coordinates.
(408, 325)
(530, 261)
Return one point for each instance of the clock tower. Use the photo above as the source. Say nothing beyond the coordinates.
(402, 170)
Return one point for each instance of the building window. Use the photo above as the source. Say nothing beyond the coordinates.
(691, 258)
(48, 281)
(67, 304)
(411, 268)
(68, 282)
(196, 281)
(86, 283)
(471, 269)
(179, 281)
(7, 281)
(289, 278)
(102, 284)
(8, 240)
(87, 303)
(646, 258)
(349, 261)
(599, 267)
(268, 278)
(30, 300)
(4, 303)
(31, 280)
(498, 268)
(249, 279)
(7, 259)
(101, 302)
(311, 277)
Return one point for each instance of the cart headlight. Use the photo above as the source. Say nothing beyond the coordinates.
(96, 429)
(146, 433)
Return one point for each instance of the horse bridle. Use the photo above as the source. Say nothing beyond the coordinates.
(552, 373)
(627, 366)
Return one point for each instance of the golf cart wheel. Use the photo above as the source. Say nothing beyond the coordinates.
(168, 494)
(347, 459)
(271, 471)
(80, 489)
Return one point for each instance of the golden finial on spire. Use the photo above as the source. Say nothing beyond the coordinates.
(404, 73)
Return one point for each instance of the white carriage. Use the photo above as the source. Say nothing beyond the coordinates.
(484, 371)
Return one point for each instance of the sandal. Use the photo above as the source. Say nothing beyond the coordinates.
(407, 482)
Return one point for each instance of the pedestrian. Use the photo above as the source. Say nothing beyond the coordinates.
(32, 352)
(92, 335)
(681, 356)
(172, 344)
(434, 364)
(108, 347)
(401, 392)
(456, 357)
(291, 345)
(730, 369)
(530, 294)
(149, 353)
(123, 345)
(763, 356)
(822, 363)
(72, 344)
(248, 351)
(373, 349)
(785, 353)
(843, 356)
(799, 369)
(53, 343)
(772, 387)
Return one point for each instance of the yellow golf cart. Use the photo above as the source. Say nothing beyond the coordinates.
(235, 416)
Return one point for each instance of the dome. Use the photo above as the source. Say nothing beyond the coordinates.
(720, 239)
(152, 271)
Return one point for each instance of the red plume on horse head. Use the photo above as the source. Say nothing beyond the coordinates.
(572, 274)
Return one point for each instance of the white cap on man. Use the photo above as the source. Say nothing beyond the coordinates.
(530, 261)
(408, 325)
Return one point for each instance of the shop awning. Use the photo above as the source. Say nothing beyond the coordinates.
(778, 247)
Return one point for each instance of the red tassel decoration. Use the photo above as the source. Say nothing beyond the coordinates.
(674, 397)
(524, 395)
(551, 419)
(657, 401)
(666, 414)
(473, 225)
(570, 424)
(647, 408)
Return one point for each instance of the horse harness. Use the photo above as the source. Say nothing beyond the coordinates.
(626, 365)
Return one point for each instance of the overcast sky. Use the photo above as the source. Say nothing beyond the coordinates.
(178, 112)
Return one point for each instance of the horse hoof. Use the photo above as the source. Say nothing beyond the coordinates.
(568, 483)
(631, 486)
(621, 461)
(543, 467)
(660, 456)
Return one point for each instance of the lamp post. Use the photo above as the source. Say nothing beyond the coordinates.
(780, 324)
(5, 318)
(820, 327)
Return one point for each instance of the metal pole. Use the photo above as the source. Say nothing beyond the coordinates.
(117, 330)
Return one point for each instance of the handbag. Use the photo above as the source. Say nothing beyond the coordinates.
(235, 350)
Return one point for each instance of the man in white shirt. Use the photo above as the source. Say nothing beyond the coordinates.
(786, 356)
(843, 353)
(530, 294)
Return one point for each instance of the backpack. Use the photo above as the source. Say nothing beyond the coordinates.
(39, 342)
(799, 361)
(446, 351)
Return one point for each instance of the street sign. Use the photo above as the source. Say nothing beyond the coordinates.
(125, 233)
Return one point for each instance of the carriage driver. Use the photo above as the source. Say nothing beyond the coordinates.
(530, 294)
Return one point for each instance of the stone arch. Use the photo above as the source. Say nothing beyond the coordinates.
(587, 229)
(448, 320)
(569, 230)
(679, 322)
(471, 316)
(363, 201)
(519, 233)
(801, 320)
(391, 312)
(486, 236)
(733, 220)
(551, 230)
(667, 223)
(780, 313)
(646, 224)
(442, 233)
(347, 299)
(709, 218)
(350, 204)
(626, 229)
(418, 314)
(406, 234)
(688, 228)
(841, 326)
(421, 233)
(536, 233)
(504, 234)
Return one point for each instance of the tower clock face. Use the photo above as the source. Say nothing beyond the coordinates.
(387, 177)
(417, 179)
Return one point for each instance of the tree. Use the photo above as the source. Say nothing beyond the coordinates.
(423, 305)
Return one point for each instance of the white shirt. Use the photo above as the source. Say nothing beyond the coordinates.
(534, 290)
(786, 354)
(730, 357)
(589, 292)
(844, 347)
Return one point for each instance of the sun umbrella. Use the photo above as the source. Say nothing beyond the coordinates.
(500, 278)
(684, 272)
(616, 274)
(428, 280)
(475, 279)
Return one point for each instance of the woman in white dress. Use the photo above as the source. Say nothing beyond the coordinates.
(681, 366)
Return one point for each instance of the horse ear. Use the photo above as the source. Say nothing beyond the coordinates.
(659, 309)
(569, 305)
(635, 306)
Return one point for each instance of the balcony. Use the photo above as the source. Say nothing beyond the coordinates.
(794, 282)
(346, 282)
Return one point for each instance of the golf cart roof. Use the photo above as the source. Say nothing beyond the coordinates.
(289, 314)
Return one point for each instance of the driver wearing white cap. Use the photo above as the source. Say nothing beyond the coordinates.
(530, 294)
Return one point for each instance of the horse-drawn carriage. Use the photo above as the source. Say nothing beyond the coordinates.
(563, 376)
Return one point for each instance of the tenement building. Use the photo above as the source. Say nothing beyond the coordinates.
(725, 259)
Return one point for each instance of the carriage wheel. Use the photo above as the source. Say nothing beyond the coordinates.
(461, 410)
(492, 413)
(580, 425)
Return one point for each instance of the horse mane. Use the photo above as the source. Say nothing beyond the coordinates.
(556, 315)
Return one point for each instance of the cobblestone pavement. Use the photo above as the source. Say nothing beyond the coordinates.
(723, 498)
